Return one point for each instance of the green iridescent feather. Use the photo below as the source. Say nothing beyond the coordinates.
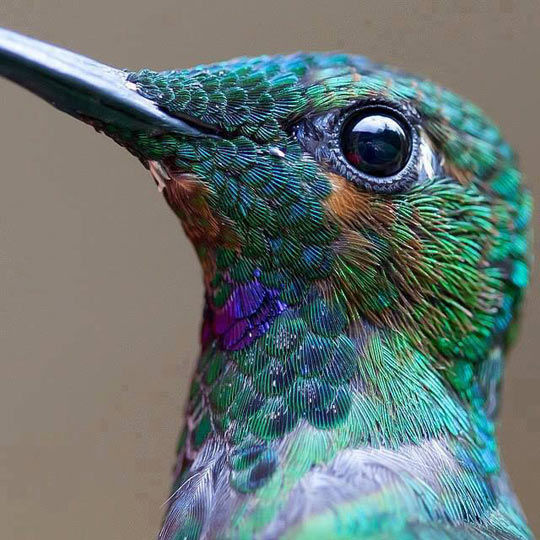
(363, 236)
(370, 330)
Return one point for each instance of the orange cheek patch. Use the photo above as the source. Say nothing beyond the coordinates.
(188, 198)
(346, 202)
(462, 176)
(351, 205)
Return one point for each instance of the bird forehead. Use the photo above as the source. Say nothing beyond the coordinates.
(251, 90)
(244, 94)
(262, 98)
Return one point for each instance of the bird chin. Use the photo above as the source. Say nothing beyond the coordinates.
(163, 176)
(187, 195)
(160, 175)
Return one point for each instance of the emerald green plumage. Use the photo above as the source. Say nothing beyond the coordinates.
(355, 329)
(340, 324)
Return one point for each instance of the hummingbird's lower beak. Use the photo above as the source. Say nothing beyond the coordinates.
(82, 87)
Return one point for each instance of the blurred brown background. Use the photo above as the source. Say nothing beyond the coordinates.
(100, 293)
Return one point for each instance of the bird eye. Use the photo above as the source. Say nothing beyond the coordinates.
(376, 142)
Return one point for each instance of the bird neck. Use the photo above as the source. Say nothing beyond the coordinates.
(268, 368)
(282, 390)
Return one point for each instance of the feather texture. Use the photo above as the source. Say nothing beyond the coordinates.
(353, 341)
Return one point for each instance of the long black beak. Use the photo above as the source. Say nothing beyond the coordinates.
(82, 87)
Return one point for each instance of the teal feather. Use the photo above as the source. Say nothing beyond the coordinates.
(357, 364)
(356, 325)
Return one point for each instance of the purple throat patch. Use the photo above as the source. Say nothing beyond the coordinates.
(247, 314)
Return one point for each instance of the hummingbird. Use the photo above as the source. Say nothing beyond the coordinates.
(363, 235)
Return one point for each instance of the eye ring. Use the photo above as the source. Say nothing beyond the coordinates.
(388, 142)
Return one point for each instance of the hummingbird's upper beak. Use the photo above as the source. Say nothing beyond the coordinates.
(83, 87)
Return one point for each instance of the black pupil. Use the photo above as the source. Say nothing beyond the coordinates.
(376, 143)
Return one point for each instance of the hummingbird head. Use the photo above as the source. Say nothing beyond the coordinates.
(394, 201)
(363, 238)
(327, 175)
